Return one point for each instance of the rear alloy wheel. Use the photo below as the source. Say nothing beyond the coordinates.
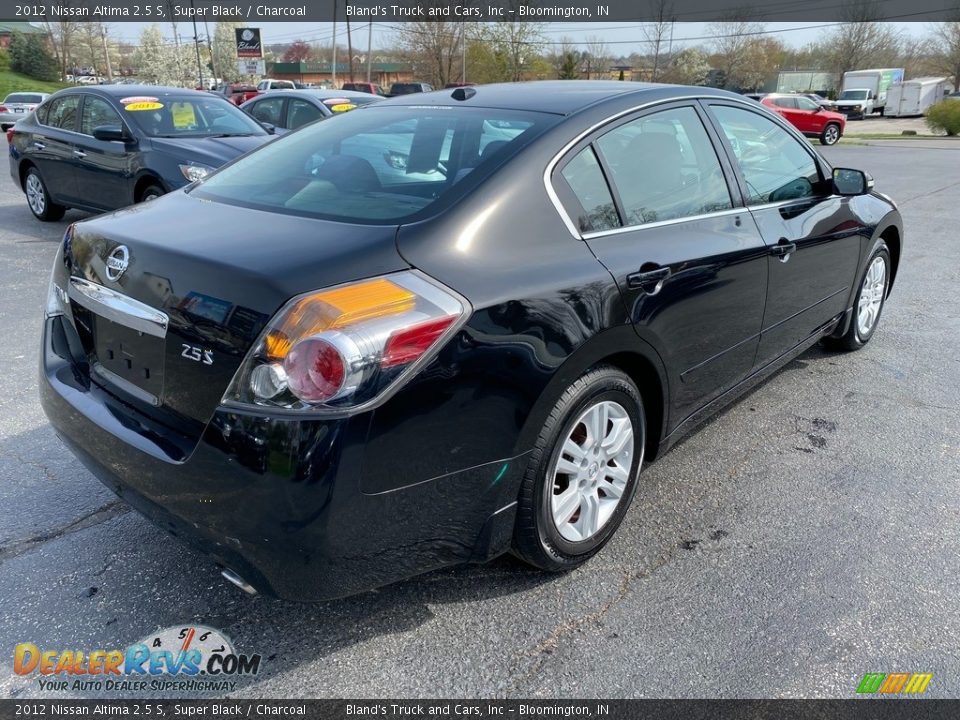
(38, 199)
(151, 192)
(830, 134)
(582, 473)
(869, 302)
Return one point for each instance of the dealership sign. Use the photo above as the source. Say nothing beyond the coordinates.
(251, 67)
(248, 43)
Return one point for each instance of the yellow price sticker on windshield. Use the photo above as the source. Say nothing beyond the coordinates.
(342, 107)
(183, 114)
(133, 107)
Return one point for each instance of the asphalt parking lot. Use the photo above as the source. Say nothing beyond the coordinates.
(802, 538)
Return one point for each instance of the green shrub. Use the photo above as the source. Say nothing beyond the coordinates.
(29, 57)
(4, 60)
(945, 117)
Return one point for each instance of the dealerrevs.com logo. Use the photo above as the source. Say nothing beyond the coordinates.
(191, 658)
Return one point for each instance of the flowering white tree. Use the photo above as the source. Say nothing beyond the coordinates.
(225, 51)
(159, 63)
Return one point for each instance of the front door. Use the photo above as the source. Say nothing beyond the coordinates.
(103, 167)
(812, 236)
(690, 265)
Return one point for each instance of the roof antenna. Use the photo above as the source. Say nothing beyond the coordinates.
(463, 93)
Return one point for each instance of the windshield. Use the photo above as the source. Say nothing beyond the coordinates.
(382, 165)
(854, 95)
(188, 116)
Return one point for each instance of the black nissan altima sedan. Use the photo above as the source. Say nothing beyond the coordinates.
(105, 147)
(452, 325)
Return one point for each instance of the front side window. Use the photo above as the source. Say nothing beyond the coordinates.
(97, 112)
(63, 112)
(300, 113)
(774, 164)
(585, 178)
(268, 111)
(665, 167)
(386, 164)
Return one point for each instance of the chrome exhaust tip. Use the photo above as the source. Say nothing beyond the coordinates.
(231, 577)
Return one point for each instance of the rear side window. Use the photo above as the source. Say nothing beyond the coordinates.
(383, 165)
(665, 167)
(62, 112)
(97, 112)
(774, 164)
(585, 178)
(784, 102)
(26, 98)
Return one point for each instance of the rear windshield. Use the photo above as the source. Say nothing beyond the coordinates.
(30, 98)
(188, 116)
(378, 165)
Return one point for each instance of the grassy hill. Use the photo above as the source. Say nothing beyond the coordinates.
(15, 82)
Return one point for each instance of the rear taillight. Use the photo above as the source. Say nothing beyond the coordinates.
(3, 108)
(9, 135)
(348, 347)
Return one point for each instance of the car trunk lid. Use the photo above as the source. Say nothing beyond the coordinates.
(169, 296)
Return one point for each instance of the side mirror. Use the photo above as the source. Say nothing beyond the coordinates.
(269, 127)
(851, 182)
(111, 133)
(819, 108)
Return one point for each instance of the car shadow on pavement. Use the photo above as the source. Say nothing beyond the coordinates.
(104, 576)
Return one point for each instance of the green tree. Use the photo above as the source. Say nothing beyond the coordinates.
(28, 56)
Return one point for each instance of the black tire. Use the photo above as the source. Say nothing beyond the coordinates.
(150, 192)
(830, 135)
(38, 198)
(536, 538)
(855, 338)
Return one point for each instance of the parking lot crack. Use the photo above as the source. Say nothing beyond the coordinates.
(102, 514)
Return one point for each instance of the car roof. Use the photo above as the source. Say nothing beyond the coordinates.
(318, 93)
(122, 91)
(562, 97)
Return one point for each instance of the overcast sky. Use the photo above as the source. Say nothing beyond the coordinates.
(622, 38)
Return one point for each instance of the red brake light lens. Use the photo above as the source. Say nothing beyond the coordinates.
(314, 369)
(408, 344)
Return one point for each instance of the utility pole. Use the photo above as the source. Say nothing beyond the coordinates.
(106, 52)
(350, 48)
(463, 49)
(213, 63)
(333, 62)
(196, 43)
(370, 49)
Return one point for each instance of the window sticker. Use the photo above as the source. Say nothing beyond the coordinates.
(135, 106)
(183, 114)
(342, 107)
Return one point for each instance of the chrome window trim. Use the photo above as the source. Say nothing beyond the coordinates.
(661, 223)
(119, 308)
(551, 166)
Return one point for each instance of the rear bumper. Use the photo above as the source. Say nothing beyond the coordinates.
(278, 501)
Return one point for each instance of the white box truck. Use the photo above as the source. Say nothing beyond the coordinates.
(864, 92)
(913, 97)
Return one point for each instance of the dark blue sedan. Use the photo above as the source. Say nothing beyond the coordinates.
(106, 147)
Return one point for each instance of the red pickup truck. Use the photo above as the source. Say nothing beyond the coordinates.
(238, 93)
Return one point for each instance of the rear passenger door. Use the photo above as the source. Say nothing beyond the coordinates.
(51, 146)
(652, 199)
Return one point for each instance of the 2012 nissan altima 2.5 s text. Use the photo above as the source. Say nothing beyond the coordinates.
(451, 325)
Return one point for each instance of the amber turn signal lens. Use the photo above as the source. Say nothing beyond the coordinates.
(337, 308)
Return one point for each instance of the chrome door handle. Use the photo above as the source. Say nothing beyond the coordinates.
(79, 153)
(783, 249)
(650, 281)
(39, 145)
